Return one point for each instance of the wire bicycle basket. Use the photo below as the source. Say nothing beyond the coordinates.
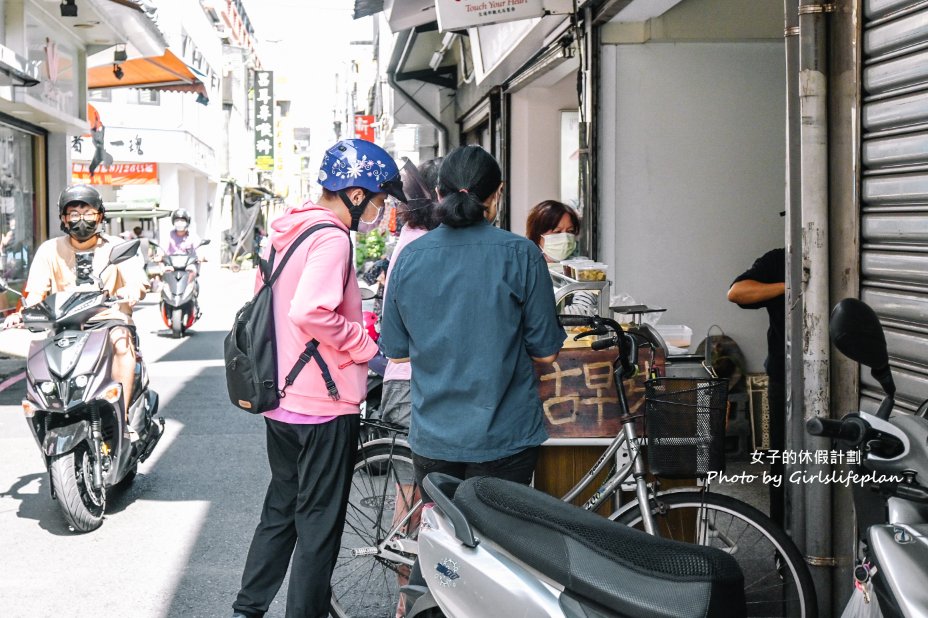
(685, 419)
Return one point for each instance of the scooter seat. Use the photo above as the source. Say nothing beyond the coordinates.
(623, 569)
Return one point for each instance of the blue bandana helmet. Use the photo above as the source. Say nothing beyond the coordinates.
(359, 163)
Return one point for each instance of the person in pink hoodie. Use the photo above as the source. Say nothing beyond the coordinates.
(312, 437)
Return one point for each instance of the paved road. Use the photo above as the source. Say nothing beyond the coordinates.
(174, 543)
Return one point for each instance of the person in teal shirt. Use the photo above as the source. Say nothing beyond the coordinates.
(471, 306)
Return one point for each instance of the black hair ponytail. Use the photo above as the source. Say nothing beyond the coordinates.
(468, 176)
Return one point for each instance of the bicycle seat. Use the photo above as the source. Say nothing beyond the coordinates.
(620, 568)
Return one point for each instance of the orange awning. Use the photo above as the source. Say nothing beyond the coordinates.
(167, 72)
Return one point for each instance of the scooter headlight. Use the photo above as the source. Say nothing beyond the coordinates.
(48, 388)
(81, 381)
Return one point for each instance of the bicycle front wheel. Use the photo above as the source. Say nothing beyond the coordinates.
(777, 581)
(372, 563)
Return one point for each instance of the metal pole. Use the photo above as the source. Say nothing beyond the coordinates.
(844, 147)
(813, 138)
(795, 497)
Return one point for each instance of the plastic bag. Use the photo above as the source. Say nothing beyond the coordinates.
(857, 606)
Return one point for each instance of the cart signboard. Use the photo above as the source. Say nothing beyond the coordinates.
(578, 393)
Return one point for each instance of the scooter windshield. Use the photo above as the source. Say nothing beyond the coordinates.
(179, 261)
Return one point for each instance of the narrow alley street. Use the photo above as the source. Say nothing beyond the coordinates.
(173, 544)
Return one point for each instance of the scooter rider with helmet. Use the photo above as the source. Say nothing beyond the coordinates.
(181, 240)
(63, 262)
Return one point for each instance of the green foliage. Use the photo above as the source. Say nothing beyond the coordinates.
(370, 246)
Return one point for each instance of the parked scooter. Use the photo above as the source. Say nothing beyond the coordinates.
(75, 410)
(179, 291)
(892, 510)
(491, 547)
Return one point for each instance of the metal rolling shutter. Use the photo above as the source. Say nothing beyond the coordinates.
(894, 191)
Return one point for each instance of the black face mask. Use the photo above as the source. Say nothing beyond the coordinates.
(82, 231)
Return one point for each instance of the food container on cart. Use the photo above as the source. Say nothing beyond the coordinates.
(570, 266)
(590, 271)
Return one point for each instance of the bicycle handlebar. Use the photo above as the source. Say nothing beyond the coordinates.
(597, 325)
(577, 320)
(602, 344)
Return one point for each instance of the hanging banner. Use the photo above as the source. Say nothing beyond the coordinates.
(364, 127)
(115, 174)
(461, 14)
(264, 120)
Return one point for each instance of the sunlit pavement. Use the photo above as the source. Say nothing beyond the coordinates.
(174, 543)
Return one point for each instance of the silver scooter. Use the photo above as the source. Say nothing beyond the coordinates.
(180, 289)
(892, 510)
(490, 547)
(75, 410)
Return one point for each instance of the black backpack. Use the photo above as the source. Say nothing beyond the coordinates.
(251, 350)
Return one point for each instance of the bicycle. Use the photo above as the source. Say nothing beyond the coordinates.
(379, 543)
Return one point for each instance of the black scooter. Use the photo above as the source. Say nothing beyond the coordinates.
(74, 408)
(179, 291)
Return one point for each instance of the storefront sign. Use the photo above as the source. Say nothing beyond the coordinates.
(364, 127)
(264, 120)
(460, 14)
(116, 174)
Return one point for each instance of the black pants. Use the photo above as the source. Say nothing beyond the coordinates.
(776, 399)
(518, 468)
(303, 517)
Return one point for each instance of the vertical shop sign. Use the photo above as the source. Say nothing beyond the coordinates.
(264, 120)
(364, 127)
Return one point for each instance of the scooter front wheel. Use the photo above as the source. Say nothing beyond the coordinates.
(177, 323)
(72, 478)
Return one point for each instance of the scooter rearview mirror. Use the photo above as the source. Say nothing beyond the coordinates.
(205, 241)
(856, 331)
(368, 294)
(124, 251)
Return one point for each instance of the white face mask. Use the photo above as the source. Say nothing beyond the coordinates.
(559, 246)
(180, 225)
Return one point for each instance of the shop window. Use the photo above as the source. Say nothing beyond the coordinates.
(149, 97)
(17, 208)
(103, 95)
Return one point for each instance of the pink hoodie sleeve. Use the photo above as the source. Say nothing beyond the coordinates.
(319, 293)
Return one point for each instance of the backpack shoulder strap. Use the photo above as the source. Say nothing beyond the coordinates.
(269, 275)
(311, 351)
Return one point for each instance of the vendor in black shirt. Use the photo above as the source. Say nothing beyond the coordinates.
(763, 287)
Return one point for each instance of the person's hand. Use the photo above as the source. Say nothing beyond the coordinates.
(128, 295)
(14, 320)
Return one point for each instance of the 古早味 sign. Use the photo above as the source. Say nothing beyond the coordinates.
(578, 394)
